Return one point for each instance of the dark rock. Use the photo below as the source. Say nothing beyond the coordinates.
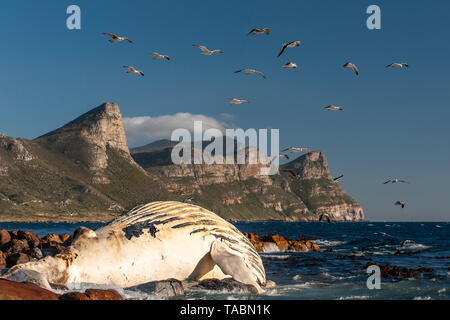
(35, 253)
(10, 290)
(98, 294)
(27, 235)
(2, 260)
(15, 246)
(228, 285)
(5, 237)
(166, 288)
(13, 234)
(16, 258)
(74, 296)
(34, 243)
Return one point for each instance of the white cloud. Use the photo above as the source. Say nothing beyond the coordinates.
(142, 129)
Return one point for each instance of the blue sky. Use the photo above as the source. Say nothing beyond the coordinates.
(395, 123)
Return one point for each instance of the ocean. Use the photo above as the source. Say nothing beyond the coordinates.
(334, 273)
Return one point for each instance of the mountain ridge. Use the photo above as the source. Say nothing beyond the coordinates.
(84, 170)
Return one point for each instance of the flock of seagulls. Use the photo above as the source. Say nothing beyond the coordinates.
(235, 101)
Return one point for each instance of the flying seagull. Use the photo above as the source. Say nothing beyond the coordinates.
(351, 65)
(116, 38)
(338, 178)
(237, 101)
(324, 216)
(295, 149)
(133, 70)
(251, 71)
(395, 181)
(156, 55)
(291, 44)
(290, 65)
(400, 203)
(291, 172)
(334, 108)
(206, 51)
(259, 31)
(398, 65)
(279, 157)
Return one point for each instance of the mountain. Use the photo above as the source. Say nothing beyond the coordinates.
(81, 171)
(85, 171)
(240, 192)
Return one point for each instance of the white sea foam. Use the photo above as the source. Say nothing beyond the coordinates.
(422, 298)
(354, 298)
(276, 256)
(329, 243)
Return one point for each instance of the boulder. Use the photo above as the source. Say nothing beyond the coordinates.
(52, 238)
(2, 260)
(16, 258)
(13, 234)
(5, 237)
(64, 237)
(15, 246)
(166, 288)
(226, 285)
(27, 235)
(74, 296)
(10, 290)
(98, 294)
(35, 253)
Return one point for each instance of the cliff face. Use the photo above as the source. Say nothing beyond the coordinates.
(241, 192)
(86, 139)
(320, 193)
(84, 171)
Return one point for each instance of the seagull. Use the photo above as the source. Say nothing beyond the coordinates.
(133, 70)
(283, 155)
(395, 181)
(398, 65)
(337, 178)
(400, 203)
(190, 199)
(259, 31)
(334, 108)
(290, 65)
(351, 65)
(116, 38)
(291, 172)
(295, 149)
(237, 101)
(251, 71)
(325, 216)
(156, 55)
(291, 44)
(205, 50)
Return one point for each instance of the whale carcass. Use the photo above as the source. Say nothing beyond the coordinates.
(152, 242)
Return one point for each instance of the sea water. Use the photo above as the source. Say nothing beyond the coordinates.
(326, 274)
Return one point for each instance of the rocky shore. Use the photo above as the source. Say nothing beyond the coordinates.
(17, 247)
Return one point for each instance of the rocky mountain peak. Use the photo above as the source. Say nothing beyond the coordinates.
(312, 165)
(85, 140)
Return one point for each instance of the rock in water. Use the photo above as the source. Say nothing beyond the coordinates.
(98, 294)
(165, 288)
(157, 241)
(227, 285)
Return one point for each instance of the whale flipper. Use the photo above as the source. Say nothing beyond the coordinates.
(233, 264)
